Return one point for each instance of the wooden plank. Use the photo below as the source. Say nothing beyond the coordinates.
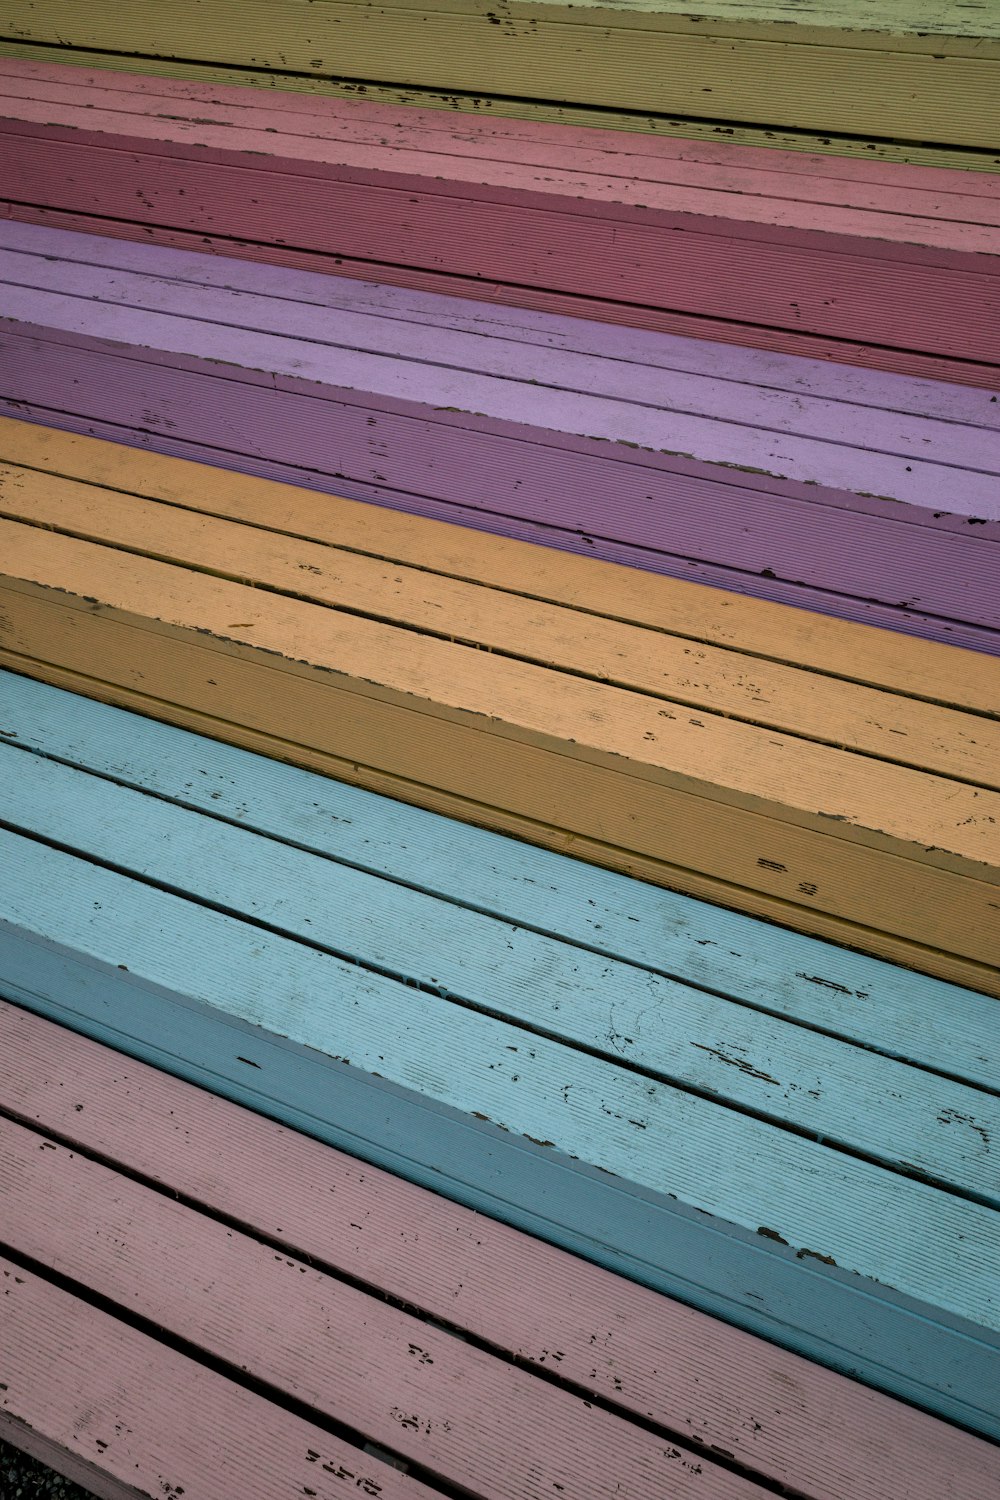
(884, 725)
(563, 213)
(525, 1057)
(82, 638)
(882, 1109)
(780, 1416)
(927, 79)
(922, 1354)
(432, 1399)
(977, 164)
(707, 796)
(388, 428)
(110, 1408)
(829, 1207)
(833, 991)
(903, 665)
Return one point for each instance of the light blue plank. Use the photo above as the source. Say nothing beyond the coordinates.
(921, 1241)
(939, 1026)
(895, 1344)
(890, 1112)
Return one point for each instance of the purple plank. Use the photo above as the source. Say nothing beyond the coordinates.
(457, 439)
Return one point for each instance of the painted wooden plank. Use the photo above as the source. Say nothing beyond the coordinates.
(184, 73)
(908, 868)
(885, 725)
(920, 1240)
(911, 266)
(790, 175)
(113, 1409)
(821, 71)
(434, 1400)
(780, 1416)
(814, 537)
(884, 1110)
(835, 649)
(833, 991)
(49, 275)
(924, 1354)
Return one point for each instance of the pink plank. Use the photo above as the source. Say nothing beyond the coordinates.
(912, 270)
(888, 188)
(800, 1425)
(621, 314)
(431, 1398)
(115, 1411)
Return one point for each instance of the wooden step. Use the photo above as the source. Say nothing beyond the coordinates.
(529, 425)
(897, 269)
(583, 1092)
(858, 816)
(925, 74)
(142, 1165)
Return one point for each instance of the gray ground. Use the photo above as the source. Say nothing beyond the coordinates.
(21, 1478)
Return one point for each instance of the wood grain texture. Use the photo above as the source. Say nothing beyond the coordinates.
(113, 1409)
(738, 246)
(844, 995)
(821, 73)
(781, 813)
(884, 1110)
(734, 473)
(431, 1399)
(94, 66)
(704, 617)
(778, 1415)
(546, 1043)
(936, 1361)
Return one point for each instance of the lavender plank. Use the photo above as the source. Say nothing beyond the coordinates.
(739, 473)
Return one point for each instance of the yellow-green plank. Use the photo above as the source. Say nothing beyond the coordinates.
(926, 74)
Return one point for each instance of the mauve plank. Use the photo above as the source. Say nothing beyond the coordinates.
(401, 1383)
(129, 1418)
(781, 1415)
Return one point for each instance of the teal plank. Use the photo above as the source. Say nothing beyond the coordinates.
(900, 1116)
(907, 1348)
(923, 1242)
(938, 1026)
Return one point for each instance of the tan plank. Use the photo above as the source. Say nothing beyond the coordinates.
(728, 683)
(690, 611)
(910, 854)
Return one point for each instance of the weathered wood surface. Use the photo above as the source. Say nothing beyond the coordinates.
(752, 469)
(899, 269)
(882, 837)
(445, 1408)
(773, 1415)
(127, 1416)
(204, 964)
(95, 65)
(926, 73)
(903, 1015)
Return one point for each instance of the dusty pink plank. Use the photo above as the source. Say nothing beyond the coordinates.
(486, 1426)
(657, 320)
(115, 1411)
(907, 268)
(786, 1418)
(896, 188)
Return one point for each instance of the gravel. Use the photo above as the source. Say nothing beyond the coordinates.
(23, 1478)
